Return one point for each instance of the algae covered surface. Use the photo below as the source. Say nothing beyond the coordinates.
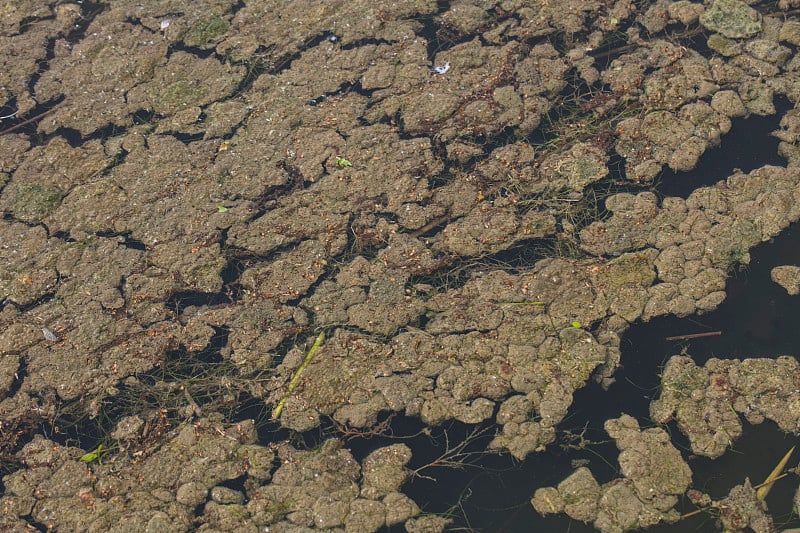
(462, 196)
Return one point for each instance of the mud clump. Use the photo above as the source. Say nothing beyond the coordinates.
(788, 277)
(743, 510)
(706, 401)
(732, 18)
(699, 239)
(654, 476)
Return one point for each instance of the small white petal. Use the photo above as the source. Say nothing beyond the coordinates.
(49, 335)
(442, 69)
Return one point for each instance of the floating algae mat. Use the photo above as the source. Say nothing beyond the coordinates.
(295, 266)
(755, 321)
(498, 490)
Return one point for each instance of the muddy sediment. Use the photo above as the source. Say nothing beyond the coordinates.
(461, 197)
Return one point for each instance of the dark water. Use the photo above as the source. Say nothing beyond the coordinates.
(758, 319)
(747, 146)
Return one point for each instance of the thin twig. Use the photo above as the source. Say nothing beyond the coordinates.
(32, 119)
(429, 226)
(694, 336)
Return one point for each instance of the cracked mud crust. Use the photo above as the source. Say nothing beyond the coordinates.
(189, 196)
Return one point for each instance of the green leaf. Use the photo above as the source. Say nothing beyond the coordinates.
(342, 162)
(576, 324)
(96, 455)
(222, 209)
(89, 457)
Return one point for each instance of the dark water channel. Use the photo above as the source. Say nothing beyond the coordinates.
(758, 319)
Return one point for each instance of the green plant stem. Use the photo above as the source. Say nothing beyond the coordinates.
(276, 413)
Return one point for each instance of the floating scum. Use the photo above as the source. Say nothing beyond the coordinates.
(187, 204)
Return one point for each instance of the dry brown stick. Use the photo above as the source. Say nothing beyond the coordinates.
(32, 119)
(695, 512)
(694, 336)
(429, 226)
